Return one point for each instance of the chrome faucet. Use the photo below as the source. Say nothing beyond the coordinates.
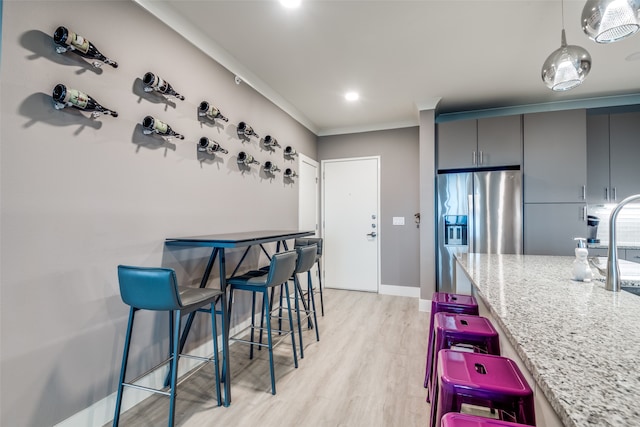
(613, 269)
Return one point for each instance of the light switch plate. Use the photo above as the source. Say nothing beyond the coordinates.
(398, 220)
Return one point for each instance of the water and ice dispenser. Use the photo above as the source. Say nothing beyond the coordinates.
(455, 230)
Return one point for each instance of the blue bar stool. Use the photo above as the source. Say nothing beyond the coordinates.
(281, 269)
(303, 241)
(156, 289)
(306, 259)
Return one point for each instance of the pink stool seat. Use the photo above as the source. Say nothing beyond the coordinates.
(483, 380)
(453, 419)
(473, 332)
(448, 303)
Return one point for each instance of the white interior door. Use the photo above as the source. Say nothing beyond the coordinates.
(350, 223)
(309, 195)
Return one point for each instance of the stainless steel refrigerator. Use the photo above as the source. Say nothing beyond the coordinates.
(478, 211)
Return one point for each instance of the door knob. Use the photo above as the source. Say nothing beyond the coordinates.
(372, 234)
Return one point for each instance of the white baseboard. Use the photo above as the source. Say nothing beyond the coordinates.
(101, 412)
(399, 291)
(424, 305)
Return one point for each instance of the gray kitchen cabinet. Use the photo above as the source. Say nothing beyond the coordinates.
(613, 157)
(624, 150)
(500, 141)
(604, 252)
(457, 144)
(549, 228)
(487, 142)
(555, 157)
(598, 183)
(632, 255)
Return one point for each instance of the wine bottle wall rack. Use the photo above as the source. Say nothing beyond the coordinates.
(154, 83)
(270, 167)
(245, 131)
(290, 152)
(153, 126)
(210, 146)
(65, 97)
(245, 159)
(205, 109)
(66, 40)
(270, 142)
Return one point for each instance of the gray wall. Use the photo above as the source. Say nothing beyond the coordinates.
(399, 196)
(80, 196)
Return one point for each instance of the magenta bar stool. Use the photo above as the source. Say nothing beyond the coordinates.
(461, 332)
(453, 419)
(481, 382)
(449, 303)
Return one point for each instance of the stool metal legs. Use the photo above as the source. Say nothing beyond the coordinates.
(174, 355)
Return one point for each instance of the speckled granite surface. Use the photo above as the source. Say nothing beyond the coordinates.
(580, 342)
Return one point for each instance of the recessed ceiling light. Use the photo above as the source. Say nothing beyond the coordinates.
(290, 4)
(351, 96)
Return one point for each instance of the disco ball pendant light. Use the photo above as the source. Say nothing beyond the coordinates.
(607, 21)
(566, 67)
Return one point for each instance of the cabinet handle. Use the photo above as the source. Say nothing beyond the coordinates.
(480, 161)
(584, 213)
(606, 193)
(615, 194)
(473, 161)
(584, 192)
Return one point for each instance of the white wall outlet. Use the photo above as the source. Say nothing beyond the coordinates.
(398, 220)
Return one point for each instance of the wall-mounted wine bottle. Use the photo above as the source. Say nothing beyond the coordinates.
(270, 142)
(65, 97)
(208, 110)
(68, 40)
(271, 167)
(246, 159)
(289, 151)
(244, 130)
(290, 173)
(153, 83)
(210, 146)
(153, 125)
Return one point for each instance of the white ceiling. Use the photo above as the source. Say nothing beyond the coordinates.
(401, 56)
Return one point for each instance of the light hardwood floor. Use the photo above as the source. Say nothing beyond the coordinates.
(366, 370)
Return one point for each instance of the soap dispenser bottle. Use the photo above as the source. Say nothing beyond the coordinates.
(581, 270)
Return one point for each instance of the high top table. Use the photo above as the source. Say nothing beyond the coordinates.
(218, 243)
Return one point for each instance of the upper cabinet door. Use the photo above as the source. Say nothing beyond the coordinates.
(500, 141)
(555, 156)
(625, 155)
(457, 144)
(598, 190)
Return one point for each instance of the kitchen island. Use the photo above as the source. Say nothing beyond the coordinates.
(579, 343)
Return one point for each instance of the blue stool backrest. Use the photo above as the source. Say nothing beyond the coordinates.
(306, 258)
(305, 241)
(283, 264)
(149, 288)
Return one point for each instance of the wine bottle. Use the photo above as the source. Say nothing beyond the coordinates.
(246, 130)
(153, 125)
(210, 146)
(65, 97)
(155, 83)
(290, 173)
(270, 141)
(68, 40)
(289, 151)
(206, 109)
(246, 159)
(271, 167)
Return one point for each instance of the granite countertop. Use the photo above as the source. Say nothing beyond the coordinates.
(580, 342)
